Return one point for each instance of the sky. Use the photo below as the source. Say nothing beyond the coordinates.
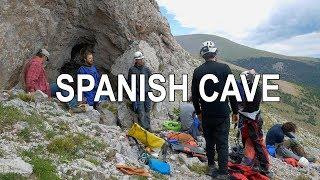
(289, 27)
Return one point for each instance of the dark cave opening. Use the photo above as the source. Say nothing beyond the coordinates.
(76, 61)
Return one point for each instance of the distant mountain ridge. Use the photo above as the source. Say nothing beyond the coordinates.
(300, 70)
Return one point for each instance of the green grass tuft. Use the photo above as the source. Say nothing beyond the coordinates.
(26, 97)
(111, 107)
(44, 169)
(67, 146)
(12, 176)
(25, 134)
(176, 111)
(198, 168)
(11, 115)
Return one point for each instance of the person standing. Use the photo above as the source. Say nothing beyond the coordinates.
(142, 108)
(250, 124)
(215, 115)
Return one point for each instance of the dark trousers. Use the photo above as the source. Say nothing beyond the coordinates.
(216, 133)
(143, 108)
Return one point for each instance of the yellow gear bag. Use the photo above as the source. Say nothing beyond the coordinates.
(145, 137)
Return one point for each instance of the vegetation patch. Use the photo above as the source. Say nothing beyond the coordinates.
(12, 176)
(68, 146)
(63, 126)
(11, 115)
(156, 175)
(2, 153)
(198, 168)
(26, 97)
(176, 111)
(43, 168)
(25, 134)
(50, 134)
(111, 107)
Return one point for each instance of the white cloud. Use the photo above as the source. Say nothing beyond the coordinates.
(227, 18)
(283, 27)
(302, 45)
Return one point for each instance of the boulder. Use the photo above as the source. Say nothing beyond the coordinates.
(92, 116)
(125, 61)
(108, 118)
(126, 116)
(17, 166)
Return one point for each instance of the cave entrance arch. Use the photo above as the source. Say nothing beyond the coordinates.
(76, 61)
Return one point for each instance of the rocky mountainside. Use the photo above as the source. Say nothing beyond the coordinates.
(113, 29)
(40, 139)
(64, 27)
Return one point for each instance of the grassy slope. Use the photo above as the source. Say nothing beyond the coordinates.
(303, 109)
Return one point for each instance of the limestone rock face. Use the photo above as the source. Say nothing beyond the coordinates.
(65, 27)
(113, 29)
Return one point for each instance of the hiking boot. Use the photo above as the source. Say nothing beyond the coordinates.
(212, 169)
(311, 159)
(222, 177)
(263, 171)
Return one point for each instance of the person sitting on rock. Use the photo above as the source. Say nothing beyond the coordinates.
(250, 124)
(143, 108)
(289, 148)
(89, 68)
(35, 74)
(189, 120)
(36, 79)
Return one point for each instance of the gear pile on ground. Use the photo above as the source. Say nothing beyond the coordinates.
(43, 139)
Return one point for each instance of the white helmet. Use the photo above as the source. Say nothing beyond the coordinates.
(208, 47)
(138, 55)
(303, 162)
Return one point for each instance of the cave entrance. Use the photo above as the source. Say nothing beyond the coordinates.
(76, 61)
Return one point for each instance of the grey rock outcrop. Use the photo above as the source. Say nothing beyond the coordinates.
(17, 166)
(64, 27)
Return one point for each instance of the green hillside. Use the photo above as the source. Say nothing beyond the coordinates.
(300, 70)
(229, 50)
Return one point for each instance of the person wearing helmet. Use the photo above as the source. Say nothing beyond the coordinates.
(35, 74)
(215, 115)
(250, 124)
(142, 108)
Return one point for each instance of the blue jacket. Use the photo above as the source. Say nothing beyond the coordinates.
(276, 135)
(93, 71)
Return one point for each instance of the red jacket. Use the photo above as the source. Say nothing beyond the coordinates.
(36, 77)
